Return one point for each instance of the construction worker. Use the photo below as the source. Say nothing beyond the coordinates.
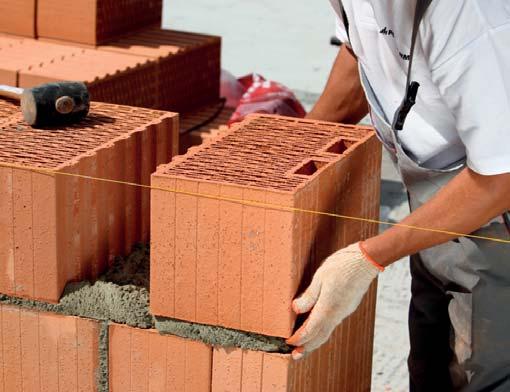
(453, 152)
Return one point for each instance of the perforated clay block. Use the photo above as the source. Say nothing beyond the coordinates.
(56, 228)
(189, 65)
(94, 22)
(222, 262)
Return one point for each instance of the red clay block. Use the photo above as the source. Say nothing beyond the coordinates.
(344, 364)
(251, 260)
(94, 22)
(18, 17)
(42, 351)
(58, 228)
(111, 77)
(21, 54)
(188, 65)
(144, 360)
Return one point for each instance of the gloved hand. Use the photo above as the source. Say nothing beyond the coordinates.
(336, 291)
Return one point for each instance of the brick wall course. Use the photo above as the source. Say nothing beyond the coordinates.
(94, 22)
(59, 229)
(42, 351)
(145, 361)
(18, 17)
(239, 266)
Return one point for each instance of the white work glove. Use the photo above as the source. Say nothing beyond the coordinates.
(336, 291)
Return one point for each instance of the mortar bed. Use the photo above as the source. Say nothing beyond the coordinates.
(121, 295)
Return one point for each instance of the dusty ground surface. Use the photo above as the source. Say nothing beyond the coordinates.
(288, 41)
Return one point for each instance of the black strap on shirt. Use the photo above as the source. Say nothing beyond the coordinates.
(411, 86)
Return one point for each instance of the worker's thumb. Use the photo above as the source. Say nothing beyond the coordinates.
(307, 300)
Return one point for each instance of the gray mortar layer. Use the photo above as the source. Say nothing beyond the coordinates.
(102, 376)
(122, 296)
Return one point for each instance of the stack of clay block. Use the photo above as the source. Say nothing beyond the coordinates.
(89, 22)
(57, 228)
(235, 243)
(114, 48)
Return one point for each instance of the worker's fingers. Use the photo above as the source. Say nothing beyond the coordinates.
(298, 353)
(311, 327)
(308, 299)
(321, 338)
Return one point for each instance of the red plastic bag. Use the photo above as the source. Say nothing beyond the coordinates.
(265, 96)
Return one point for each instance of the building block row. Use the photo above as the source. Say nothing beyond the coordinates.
(153, 68)
(145, 361)
(202, 125)
(47, 352)
(237, 243)
(18, 17)
(57, 228)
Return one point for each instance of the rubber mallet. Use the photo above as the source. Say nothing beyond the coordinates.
(52, 103)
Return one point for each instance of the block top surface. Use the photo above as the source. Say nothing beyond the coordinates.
(156, 42)
(54, 148)
(268, 152)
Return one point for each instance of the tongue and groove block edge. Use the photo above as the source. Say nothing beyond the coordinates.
(238, 256)
(57, 228)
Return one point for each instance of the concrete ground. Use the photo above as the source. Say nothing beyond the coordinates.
(288, 41)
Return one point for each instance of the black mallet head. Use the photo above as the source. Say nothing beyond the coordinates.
(55, 104)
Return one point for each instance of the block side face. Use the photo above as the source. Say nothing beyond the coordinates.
(18, 17)
(142, 359)
(42, 351)
(95, 22)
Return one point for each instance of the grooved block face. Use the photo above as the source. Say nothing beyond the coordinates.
(18, 17)
(242, 238)
(94, 22)
(58, 228)
(343, 364)
(188, 65)
(41, 351)
(145, 361)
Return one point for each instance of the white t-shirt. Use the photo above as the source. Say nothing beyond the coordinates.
(462, 62)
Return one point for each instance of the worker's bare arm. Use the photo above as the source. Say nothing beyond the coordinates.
(468, 202)
(343, 99)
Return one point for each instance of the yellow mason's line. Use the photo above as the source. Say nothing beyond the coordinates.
(252, 203)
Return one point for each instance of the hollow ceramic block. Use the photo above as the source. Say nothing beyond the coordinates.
(144, 360)
(343, 364)
(237, 242)
(40, 351)
(57, 228)
(188, 65)
(94, 21)
(18, 17)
